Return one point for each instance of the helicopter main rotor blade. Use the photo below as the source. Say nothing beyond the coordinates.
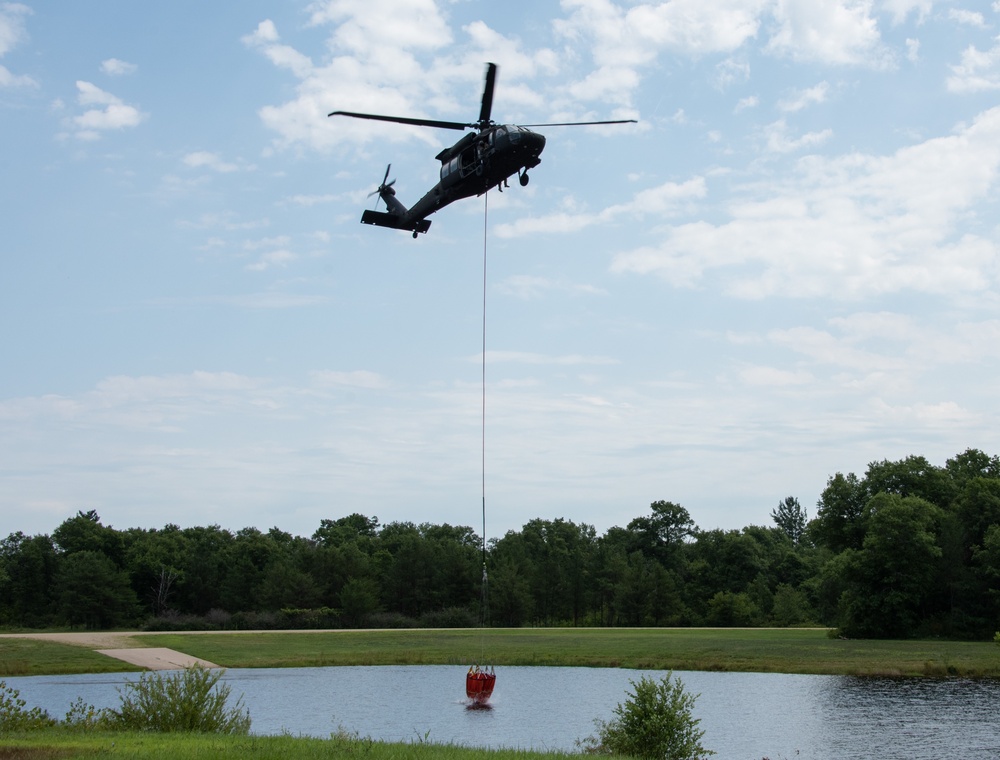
(580, 123)
(405, 120)
(487, 107)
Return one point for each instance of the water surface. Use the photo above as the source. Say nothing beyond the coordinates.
(744, 715)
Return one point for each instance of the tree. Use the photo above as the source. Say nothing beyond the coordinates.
(728, 610)
(892, 579)
(790, 606)
(972, 463)
(346, 529)
(85, 533)
(661, 534)
(29, 567)
(93, 592)
(912, 476)
(840, 519)
(656, 721)
(152, 560)
(358, 600)
(791, 518)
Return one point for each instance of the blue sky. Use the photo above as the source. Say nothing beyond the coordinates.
(786, 269)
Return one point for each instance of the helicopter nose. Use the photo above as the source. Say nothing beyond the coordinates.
(535, 142)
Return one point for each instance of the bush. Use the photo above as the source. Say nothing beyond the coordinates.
(83, 716)
(655, 722)
(183, 701)
(13, 716)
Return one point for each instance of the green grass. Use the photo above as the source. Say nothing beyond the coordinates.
(31, 657)
(754, 650)
(60, 744)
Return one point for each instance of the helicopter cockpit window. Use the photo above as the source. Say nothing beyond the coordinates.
(450, 166)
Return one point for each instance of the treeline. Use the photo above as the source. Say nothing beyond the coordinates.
(909, 549)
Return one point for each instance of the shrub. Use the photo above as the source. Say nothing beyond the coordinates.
(655, 722)
(14, 716)
(83, 716)
(183, 701)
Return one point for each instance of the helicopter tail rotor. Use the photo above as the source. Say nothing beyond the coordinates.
(385, 188)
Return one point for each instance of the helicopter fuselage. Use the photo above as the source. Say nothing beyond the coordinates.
(476, 163)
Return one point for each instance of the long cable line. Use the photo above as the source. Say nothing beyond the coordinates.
(484, 613)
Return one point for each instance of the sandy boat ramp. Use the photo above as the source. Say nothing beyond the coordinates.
(122, 646)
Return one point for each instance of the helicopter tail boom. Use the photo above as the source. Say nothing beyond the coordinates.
(394, 221)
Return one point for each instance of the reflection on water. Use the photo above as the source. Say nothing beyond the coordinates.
(746, 716)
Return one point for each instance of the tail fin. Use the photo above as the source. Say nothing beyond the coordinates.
(394, 221)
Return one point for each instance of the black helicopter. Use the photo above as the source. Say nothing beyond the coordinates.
(476, 163)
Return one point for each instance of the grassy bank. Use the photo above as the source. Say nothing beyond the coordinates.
(144, 746)
(30, 657)
(756, 650)
(753, 650)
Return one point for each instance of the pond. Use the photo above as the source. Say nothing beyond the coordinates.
(745, 716)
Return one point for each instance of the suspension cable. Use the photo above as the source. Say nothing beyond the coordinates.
(484, 613)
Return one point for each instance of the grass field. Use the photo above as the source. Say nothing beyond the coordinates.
(755, 650)
(29, 657)
(45, 745)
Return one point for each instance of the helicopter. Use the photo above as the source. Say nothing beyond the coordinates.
(479, 161)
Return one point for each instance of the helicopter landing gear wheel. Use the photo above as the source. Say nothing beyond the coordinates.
(523, 179)
(414, 234)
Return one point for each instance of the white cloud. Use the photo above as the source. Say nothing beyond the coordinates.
(731, 71)
(279, 258)
(209, 160)
(842, 32)
(12, 31)
(354, 379)
(524, 357)
(979, 71)
(527, 287)
(364, 27)
(312, 200)
(900, 9)
(112, 113)
(116, 68)
(12, 34)
(632, 37)
(770, 377)
(623, 40)
(665, 200)
(805, 98)
(8, 79)
(778, 139)
(968, 18)
(849, 226)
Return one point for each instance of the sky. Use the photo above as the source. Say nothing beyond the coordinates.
(786, 269)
